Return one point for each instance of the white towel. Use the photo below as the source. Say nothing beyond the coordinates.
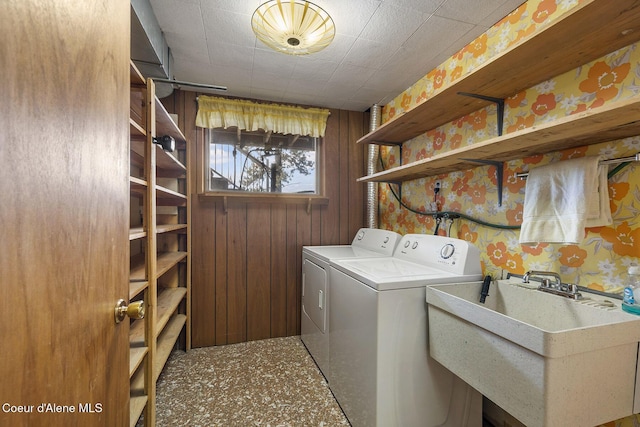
(563, 198)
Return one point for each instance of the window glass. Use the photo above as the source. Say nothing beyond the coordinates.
(261, 162)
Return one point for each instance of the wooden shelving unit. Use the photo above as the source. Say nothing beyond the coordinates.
(563, 45)
(613, 121)
(159, 236)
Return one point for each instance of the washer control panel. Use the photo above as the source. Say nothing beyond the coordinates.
(383, 241)
(445, 253)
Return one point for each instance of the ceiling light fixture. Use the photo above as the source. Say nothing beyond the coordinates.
(294, 27)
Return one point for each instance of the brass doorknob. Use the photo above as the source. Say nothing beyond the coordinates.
(135, 310)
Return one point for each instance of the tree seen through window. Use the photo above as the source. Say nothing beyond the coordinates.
(262, 162)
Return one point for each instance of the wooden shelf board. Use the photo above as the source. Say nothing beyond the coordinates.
(168, 301)
(137, 286)
(168, 228)
(166, 341)
(170, 202)
(563, 45)
(137, 270)
(166, 197)
(137, 146)
(136, 130)
(136, 333)
(166, 260)
(613, 121)
(137, 383)
(136, 406)
(136, 160)
(135, 77)
(167, 165)
(136, 109)
(136, 357)
(137, 186)
(136, 233)
(165, 124)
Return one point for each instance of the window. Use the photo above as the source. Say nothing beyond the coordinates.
(262, 162)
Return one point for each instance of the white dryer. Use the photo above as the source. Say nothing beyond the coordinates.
(367, 243)
(381, 372)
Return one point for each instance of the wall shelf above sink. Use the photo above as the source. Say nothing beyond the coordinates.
(612, 121)
(563, 45)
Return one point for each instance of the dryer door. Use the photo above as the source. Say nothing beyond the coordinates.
(314, 285)
(314, 322)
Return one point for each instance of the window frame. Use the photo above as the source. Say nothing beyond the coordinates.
(206, 194)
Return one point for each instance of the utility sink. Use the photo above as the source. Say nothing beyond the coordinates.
(546, 359)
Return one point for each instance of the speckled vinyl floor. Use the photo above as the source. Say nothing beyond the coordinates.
(271, 382)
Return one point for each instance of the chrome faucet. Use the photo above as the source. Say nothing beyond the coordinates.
(557, 287)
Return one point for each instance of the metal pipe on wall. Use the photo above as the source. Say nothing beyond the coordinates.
(372, 162)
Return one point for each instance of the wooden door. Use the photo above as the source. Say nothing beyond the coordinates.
(63, 212)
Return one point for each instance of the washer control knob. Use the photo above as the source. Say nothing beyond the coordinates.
(386, 240)
(415, 245)
(360, 235)
(406, 244)
(447, 251)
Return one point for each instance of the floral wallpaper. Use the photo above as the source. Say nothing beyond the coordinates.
(603, 257)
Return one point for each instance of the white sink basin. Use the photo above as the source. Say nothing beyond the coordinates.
(545, 359)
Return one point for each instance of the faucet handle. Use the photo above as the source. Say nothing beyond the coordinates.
(545, 282)
(571, 287)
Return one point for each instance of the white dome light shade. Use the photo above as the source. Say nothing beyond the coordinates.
(292, 26)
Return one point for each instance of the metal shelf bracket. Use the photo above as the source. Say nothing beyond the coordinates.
(499, 104)
(499, 173)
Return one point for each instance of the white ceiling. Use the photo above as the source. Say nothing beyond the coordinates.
(380, 49)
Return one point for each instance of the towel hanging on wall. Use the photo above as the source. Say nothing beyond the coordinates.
(562, 199)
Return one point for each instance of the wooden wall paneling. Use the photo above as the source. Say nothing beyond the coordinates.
(278, 270)
(356, 169)
(344, 185)
(204, 248)
(230, 303)
(203, 286)
(237, 273)
(190, 109)
(329, 228)
(316, 214)
(292, 270)
(316, 219)
(171, 102)
(258, 266)
(197, 135)
(221, 279)
(303, 237)
(366, 123)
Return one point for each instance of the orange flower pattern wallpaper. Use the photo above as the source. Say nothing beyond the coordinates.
(601, 260)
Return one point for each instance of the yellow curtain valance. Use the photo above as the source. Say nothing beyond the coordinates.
(214, 112)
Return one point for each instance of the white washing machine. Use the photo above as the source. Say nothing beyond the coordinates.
(314, 327)
(381, 371)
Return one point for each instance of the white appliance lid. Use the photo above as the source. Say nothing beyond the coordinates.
(328, 253)
(368, 242)
(393, 273)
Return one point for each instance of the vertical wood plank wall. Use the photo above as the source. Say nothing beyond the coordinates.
(246, 263)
